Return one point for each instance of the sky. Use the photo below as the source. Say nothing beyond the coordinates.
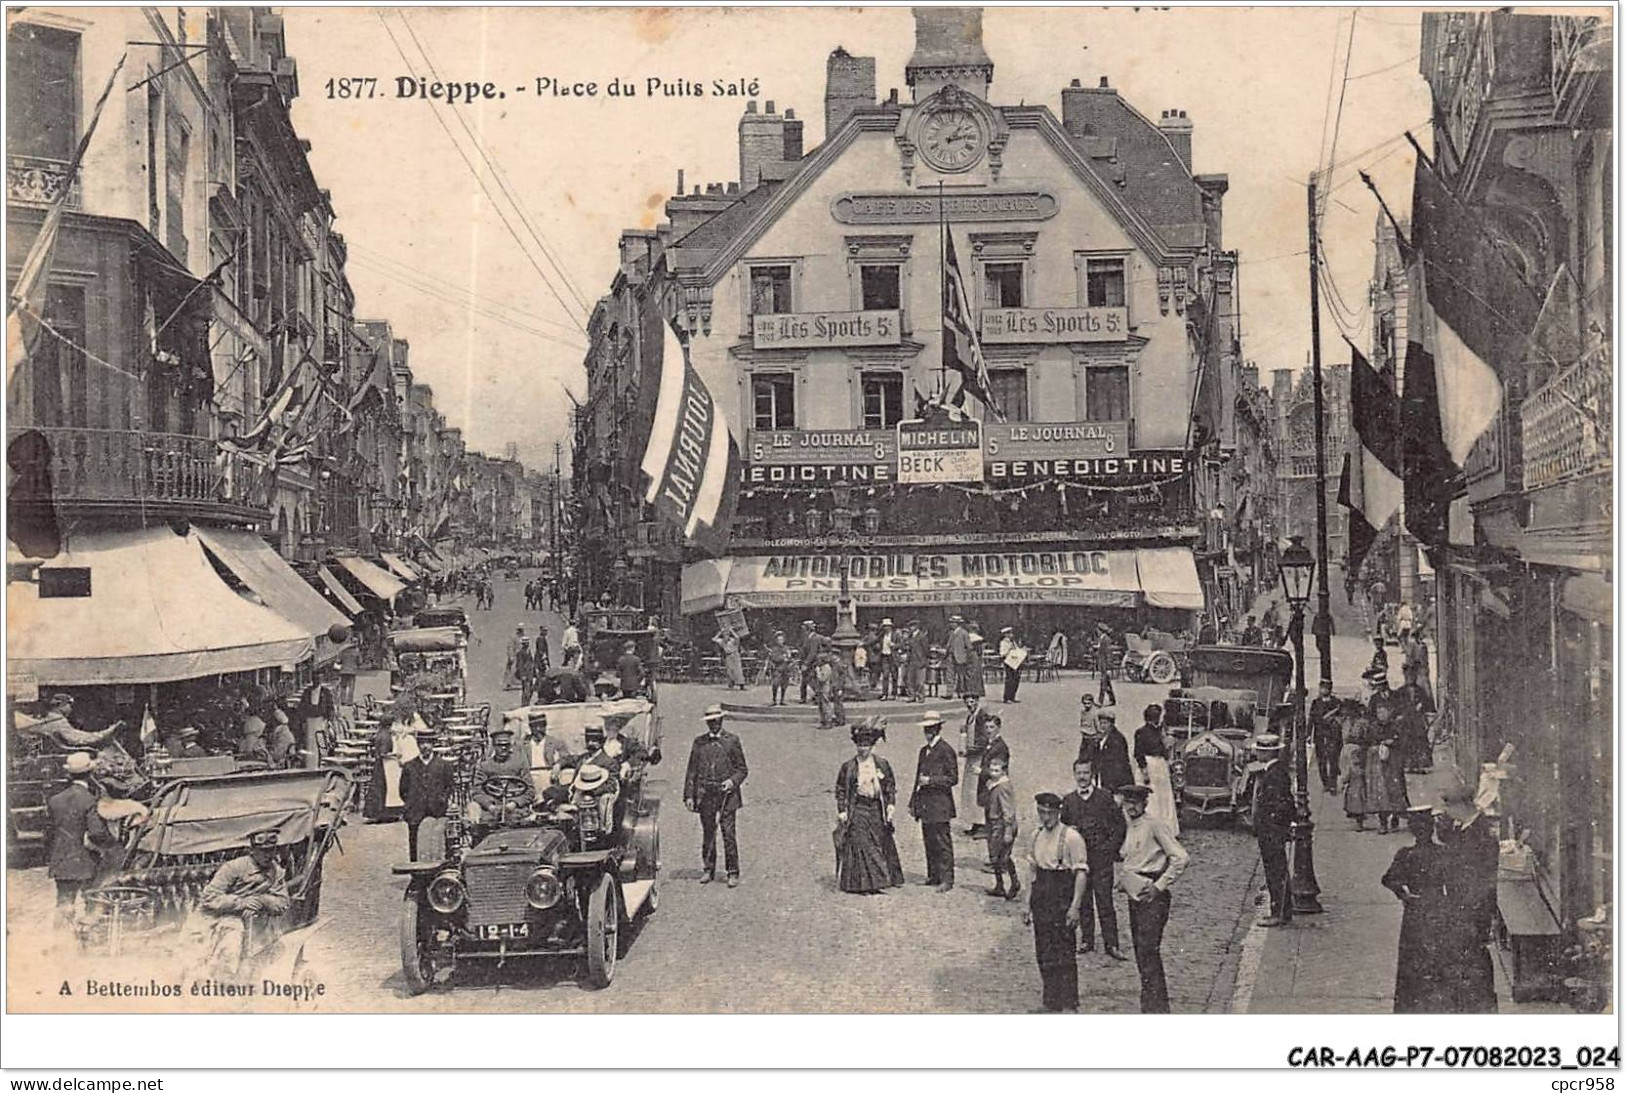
(495, 312)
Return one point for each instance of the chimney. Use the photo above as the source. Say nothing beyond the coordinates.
(948, 50)
(1281, 386)
(1091, 111)
(761, 141)
(1177, 128)
(849, 85)
(679, 181)
(793, 142)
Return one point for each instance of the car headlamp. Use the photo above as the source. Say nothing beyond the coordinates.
(446, 893)
(544, 889)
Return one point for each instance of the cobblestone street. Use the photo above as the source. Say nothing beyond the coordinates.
(786, 940)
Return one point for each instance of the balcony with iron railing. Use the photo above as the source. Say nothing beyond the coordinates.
(127, 472)
(36, 181)
(1568, 424)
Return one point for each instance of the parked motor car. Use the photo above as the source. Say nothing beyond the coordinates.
(1210, 726)
(444, 615)
(563, 876)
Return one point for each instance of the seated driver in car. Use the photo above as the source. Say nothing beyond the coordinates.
(503, 762)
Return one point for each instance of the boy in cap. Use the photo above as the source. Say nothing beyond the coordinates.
(716, 770)
(932, 802)
(241, 901)
(1001, 828)
(1060, 880)
(779, 662)
(1152, 860)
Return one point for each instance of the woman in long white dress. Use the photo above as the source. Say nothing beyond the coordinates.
(1151, 768)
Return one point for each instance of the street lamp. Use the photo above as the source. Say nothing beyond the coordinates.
(1297, 568)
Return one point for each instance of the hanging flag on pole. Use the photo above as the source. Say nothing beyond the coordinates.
(961, 351)
(25, 308)
(1470, 319)
(1373, 480)
(690, 456)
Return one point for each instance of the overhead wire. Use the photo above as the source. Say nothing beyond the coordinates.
(472, 305)
(501, 178)
(495, 205)
(408, 269)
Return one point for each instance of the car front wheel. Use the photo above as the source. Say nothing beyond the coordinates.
(417, 948)
(603, 932)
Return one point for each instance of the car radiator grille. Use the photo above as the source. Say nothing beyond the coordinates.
(1207, 772)
(496, 893)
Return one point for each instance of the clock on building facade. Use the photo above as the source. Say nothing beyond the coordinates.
(953, 138)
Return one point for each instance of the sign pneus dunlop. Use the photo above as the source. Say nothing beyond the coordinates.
(934, 452)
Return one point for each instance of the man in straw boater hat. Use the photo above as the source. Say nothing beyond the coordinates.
(1152, 860)
(78, 833)
(932, 801)
(716, 770)
(1272, 823)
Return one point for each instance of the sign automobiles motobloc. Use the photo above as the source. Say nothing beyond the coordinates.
(1093, 577)
(930, 452)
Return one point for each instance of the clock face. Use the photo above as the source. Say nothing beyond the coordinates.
(952, 139)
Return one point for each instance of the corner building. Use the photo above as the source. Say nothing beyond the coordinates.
(1093, 262)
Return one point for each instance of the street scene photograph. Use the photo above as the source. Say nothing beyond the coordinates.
(815, 511)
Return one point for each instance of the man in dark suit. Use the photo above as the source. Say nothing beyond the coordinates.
(812, 643)
(1327, 733)
(716, 769)
(77, 830)
(932, 802)
(1112, 764)
(425, 795)
(630, 668)
(1272, 824)
(1095, 815)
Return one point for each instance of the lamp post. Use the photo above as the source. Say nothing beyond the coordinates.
(1297, 578)
(845, 637)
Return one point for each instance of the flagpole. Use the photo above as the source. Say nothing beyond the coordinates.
(942, 291)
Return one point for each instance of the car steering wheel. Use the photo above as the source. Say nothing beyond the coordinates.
(505, 787)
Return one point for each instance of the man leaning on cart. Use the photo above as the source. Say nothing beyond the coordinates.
(243, 903)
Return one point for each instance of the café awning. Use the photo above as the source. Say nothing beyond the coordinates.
(374, 580)
(277, 585)
(1168, 578)
(399, 566)
(1163, 577)
(336, 589)
(152, 610)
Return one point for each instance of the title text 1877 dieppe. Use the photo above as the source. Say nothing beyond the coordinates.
(545, 87)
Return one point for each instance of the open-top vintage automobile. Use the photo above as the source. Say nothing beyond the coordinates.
(1210, 726)
(1155, 656)
(441, 650)
(560, 878)
(196, 825)
(604, 634)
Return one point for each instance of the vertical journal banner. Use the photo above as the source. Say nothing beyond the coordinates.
(932, 452)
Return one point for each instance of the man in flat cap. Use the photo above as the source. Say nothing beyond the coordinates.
(492, 795)
(1152, 860)
(1272, 823)
(243, 903)
(1112, 763)
(932, 802)
(716, 770)
(1060, 880)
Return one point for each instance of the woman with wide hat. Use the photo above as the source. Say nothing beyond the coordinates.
(865, 801)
